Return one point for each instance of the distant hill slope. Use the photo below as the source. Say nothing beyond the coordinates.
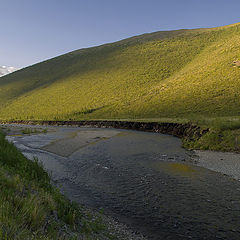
(163, 74)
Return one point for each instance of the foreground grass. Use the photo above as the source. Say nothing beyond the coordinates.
(30, 208)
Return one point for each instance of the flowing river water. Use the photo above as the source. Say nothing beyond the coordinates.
(145, 180)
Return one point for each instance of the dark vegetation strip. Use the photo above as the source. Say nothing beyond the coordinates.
(188, 130)
(31, 208)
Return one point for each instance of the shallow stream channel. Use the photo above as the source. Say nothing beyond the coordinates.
(144, 180)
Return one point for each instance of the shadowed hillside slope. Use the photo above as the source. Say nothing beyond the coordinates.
(164, 74)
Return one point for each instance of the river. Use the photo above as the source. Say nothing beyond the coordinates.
(145, 180)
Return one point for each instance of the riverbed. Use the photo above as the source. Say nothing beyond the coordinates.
(144, 180)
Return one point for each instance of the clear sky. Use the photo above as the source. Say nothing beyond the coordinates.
(35, 30)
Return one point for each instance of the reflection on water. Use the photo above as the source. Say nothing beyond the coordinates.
(176, 168)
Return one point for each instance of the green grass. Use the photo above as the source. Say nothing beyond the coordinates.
(184, 74)
(223, 135)
(30, 208)
(163, 74)
(33, 130)
(217, 140)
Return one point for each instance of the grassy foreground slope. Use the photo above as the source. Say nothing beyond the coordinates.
(30, 208)
(184, 73)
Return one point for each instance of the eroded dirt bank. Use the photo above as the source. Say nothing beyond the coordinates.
(176, 129)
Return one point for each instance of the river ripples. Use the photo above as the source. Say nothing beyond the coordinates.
(145, 180)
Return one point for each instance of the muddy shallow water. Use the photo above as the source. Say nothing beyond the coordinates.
(145, 180)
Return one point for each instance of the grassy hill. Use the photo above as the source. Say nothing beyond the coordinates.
(183, 73)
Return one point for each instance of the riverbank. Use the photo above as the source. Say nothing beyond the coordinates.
(204, 135)
(188, 130)
(227, 163)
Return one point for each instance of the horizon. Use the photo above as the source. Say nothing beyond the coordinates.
(8, 66)
(31, 38)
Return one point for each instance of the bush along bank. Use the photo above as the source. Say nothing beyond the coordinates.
(31, 208)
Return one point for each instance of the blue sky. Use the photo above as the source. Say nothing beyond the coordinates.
(33, 31)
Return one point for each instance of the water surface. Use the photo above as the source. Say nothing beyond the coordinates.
(145, 180)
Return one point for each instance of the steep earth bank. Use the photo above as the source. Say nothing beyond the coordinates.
(186, 130)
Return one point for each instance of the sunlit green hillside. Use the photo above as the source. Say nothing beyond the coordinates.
(180, 73)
